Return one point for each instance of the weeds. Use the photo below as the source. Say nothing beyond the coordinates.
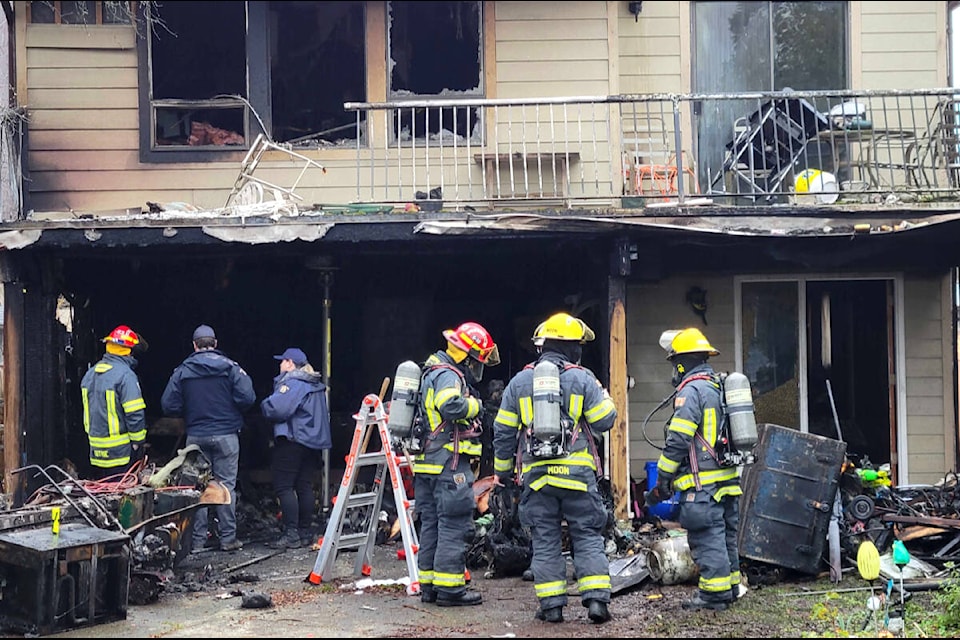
(947, 600)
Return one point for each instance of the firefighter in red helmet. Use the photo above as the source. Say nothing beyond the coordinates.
(443, 476)
(114, 413)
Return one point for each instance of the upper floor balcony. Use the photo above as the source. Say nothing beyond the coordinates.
(769, 149)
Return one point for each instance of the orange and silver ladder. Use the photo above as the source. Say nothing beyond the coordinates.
(372, 415)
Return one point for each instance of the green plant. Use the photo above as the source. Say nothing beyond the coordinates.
(947, 600)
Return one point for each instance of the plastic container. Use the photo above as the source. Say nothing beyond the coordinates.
(668, 509)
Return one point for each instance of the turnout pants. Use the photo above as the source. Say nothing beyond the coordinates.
(445, 505)
(712, 534)
(543, 512)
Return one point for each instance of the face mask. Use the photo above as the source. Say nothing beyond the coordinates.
(678, 372)
(475, 369)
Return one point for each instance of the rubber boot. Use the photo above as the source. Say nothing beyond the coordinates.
(465, 599)
(598, 612)
(552, 614)
(696, 602)
(427, 593)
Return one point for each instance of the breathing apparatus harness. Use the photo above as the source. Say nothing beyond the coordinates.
(735, 403)
(407, 420)
(552, 433)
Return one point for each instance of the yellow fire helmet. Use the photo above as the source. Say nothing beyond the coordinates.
(562, 326)
(692, 340)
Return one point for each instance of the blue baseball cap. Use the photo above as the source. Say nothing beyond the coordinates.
(204, 331)
(298, 357)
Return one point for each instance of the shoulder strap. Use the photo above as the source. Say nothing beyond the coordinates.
(699, 376)
(444, 365)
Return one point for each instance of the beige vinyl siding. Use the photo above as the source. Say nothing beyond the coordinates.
(651, 58)
(899, 45)
(930, 442)
(550, 50)
(652, 309)
(575, 34)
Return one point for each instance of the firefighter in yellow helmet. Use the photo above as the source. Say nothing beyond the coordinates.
(709, 492)
(443, 476)
(114, 413)
(552, 434)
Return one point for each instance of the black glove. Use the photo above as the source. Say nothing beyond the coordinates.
(506, 478)
(665, 487)
(659, 493)
(653, 497)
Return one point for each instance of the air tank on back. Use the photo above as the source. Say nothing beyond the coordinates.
(403, 401)
(547, 427)
(739, 401)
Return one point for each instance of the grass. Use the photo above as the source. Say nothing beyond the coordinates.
(822, 609)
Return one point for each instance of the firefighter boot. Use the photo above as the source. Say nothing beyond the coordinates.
(597, 611)
(552, 614)
(427, 593)
(696, 602)
(464, 599)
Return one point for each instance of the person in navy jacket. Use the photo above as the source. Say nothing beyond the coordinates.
(298, 409)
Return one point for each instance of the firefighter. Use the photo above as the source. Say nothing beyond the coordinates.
(559, 477)
(443, 476)
(709, 492)
(114, 413)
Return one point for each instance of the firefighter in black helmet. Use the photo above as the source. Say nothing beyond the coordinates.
(709, 492)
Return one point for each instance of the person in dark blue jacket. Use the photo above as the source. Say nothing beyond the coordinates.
(298, 409)
(210, 392)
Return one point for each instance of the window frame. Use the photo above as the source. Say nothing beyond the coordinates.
(256, 103)
(259, 108)
(98, 15)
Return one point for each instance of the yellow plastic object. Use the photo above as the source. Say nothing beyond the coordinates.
(868, 560)
(820, 186)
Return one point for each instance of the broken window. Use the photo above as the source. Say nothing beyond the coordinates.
(316, 65)
(84, 12)
(198, 75)
(222, 72)
(435, 51)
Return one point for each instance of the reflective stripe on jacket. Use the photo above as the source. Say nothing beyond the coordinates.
(448, 405)
(114, 413)
(584, 401)
(697, 407)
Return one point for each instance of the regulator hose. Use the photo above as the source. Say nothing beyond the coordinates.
(643, 426)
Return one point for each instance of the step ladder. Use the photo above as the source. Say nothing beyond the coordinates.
(371, 415)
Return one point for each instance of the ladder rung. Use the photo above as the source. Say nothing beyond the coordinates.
(352, 540)
(365, 459)
(361, 499)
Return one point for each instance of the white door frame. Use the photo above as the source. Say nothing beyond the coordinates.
(899, 337)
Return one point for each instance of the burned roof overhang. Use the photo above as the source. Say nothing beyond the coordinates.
(775, 226)
(872, 230)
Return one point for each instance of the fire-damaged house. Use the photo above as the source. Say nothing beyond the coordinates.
(355, 177)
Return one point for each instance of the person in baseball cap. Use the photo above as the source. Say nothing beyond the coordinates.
(301, 429)
(296, 356)
(204, 331)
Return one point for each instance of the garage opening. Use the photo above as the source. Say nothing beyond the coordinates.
(385, 307)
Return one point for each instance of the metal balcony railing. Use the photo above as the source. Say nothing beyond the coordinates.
(789, 148)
